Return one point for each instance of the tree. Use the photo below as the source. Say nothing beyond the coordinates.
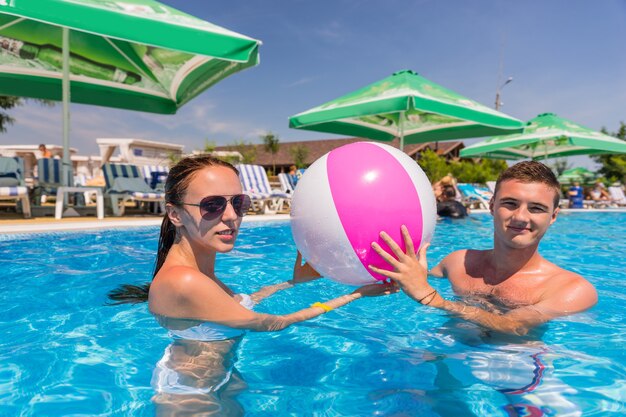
(465, 170)
(247, 151)
(6, 103)
(299, 154)
(271, 145)
(9, 102)
(613, 166)
(434, 166)
(560, 165)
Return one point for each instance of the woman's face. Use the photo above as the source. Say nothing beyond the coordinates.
(218, 234)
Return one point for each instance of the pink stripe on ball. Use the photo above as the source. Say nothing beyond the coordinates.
(372, 192)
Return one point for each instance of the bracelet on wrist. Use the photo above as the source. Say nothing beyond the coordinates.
(425, 297)
(323, 306)
(433, 297)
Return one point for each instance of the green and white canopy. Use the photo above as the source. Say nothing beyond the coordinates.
(408, 106)
(546, 136)
(131, 54)
(580, 174)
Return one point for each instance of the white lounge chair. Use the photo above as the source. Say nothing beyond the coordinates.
(286, 183)
(617, 195)
(12, 183)
(256, 184)
(125, 183)
(155, 176)
(475, 195)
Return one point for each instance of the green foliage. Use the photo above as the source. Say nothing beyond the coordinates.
(560, 165)
(613, 166)
(6, 103)
(436, 167)
(209, 146)
(299, 154)
(247, 151)
(271, 145)
(9, 102)
(477, 172)
(433, 165)
(173, 158)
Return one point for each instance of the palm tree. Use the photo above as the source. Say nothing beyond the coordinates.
(271, 145)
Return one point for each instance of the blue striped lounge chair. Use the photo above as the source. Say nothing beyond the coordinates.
(49, 172)
(256, 184)
(286, 183)
(475, 195)
(155, 176)
(126, 183)
(12, 185)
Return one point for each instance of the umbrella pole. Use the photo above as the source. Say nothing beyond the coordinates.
(66, 108)
(401, 125)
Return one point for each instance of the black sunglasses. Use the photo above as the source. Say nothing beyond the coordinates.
(213, 206)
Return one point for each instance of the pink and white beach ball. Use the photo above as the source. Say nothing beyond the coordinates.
(347, 197)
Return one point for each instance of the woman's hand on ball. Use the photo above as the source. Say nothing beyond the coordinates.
(303, 273)
(410, 270)
(375, 290)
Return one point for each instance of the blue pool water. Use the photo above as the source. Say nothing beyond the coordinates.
(62, 353)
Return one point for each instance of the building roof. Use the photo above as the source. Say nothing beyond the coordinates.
(318, 148)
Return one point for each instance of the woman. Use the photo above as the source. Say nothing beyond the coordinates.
(204, 208)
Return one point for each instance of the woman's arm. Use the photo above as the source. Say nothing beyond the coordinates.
(194, 296)
(301, 274)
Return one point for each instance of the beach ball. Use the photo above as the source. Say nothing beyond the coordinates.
(347, 197)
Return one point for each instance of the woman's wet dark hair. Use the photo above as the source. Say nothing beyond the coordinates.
(178, 180)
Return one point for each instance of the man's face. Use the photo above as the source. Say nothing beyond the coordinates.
(522, 213)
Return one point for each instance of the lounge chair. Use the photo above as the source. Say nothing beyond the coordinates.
(12, 185)
(125, 183)
(49, 172)
(475, 195)
(286, 183)
(155, 176)
(617, 195)
(257, 186)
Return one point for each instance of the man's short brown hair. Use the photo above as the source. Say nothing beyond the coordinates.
(531, 171)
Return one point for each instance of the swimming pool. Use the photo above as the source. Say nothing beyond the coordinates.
(63, 353)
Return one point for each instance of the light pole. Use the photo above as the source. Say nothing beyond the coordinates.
(508, 80)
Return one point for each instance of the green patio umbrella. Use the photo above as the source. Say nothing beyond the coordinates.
(578, 174)
(546, 136)
(408, 106)
(136, 54)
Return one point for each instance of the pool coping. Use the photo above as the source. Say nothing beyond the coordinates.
(69, 225)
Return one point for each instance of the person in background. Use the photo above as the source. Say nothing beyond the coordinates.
(446, 181)
(449, 206)
(294, 175)
(598, 193)
(44, 152)
(575, 196)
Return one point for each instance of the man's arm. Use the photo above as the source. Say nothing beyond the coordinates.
(573, 297)
(410, 272)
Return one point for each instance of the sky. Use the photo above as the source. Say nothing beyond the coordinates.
(565, 56)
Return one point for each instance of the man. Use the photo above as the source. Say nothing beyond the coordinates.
(513, 273)
(575, 195)
(45, 153)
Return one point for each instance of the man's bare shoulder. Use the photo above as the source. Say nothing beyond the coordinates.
(569, 292)
(459, 262)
